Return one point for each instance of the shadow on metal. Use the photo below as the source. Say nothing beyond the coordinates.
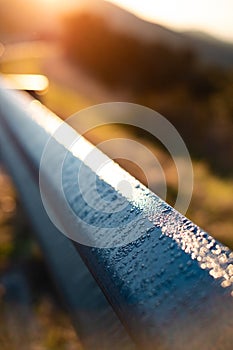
(171, 288)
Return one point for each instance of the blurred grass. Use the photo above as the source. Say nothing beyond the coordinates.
(60, 99)
(64, 101)
(7, 209)
(48, 327)
(21, 66)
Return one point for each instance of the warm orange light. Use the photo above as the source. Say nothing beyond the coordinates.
(2, 49)
(30, 82)
(214, 16)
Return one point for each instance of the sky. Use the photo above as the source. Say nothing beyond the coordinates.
(212, 16)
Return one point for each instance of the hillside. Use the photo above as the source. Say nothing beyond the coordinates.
(27, 20)
(210, 49)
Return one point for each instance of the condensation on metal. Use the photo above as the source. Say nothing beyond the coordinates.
(172, 287)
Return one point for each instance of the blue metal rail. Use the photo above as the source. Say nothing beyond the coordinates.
(171, 287)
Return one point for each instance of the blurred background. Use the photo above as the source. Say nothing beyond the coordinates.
(175, 57)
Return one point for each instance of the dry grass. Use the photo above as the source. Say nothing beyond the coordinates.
(37, 324)
(45, 327)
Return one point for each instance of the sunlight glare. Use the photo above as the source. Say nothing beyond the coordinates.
(213, 16)
(30, 82)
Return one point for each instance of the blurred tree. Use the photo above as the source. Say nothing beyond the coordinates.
(196, 98)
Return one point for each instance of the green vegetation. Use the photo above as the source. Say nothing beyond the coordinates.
(195, 97)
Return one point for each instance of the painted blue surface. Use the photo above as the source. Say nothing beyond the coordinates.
(171, 286)
(157, 284)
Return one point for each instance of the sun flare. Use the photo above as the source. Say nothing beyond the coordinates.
(213, 16)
